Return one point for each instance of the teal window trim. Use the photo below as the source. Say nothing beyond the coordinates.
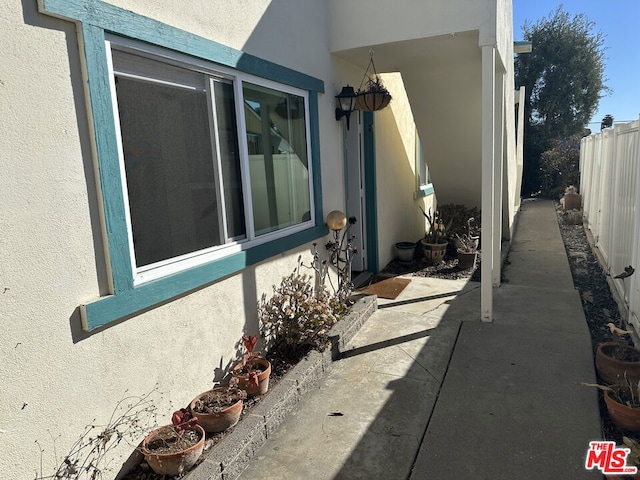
(371, 199)
(424, 191)
(94, 19)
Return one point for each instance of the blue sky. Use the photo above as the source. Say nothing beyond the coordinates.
(619, 21)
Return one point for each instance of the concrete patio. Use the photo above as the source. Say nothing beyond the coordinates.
(427, 391)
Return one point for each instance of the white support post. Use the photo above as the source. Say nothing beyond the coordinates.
(519, 144)
(498, 177)
(488, 179)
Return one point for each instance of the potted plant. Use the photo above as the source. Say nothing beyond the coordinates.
(405, 251)
(374, 96)
(252, 371)
(174, 449)
(617, 359)
(435, 240)
(220, 408)
(623, 403)
(467, 248)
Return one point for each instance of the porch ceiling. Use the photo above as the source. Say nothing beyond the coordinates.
(443, 82)
(408, 54)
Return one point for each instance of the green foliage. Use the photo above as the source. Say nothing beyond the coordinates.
(438, 229)
(560, 166)
(296, 314)
(459, 216)
(564, 80)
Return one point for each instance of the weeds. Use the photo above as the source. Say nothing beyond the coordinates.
(89, 457)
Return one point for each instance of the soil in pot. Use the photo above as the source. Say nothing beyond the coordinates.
(614, 359)
(168, 453)
(259, 366)
(218, 409)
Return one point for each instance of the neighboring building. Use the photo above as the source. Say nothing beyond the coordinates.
(165, 163)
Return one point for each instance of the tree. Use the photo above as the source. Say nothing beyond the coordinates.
(564, 80)
(560, 166)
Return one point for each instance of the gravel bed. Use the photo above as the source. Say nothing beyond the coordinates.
(598, 303)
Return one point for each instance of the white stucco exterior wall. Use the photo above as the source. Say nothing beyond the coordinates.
(399, 218)
(55, 377)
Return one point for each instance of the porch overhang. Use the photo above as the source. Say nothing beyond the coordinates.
(455, 82)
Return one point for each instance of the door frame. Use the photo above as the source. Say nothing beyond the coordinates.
(368, 227)
(370, 192)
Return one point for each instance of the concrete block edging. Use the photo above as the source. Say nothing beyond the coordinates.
(231, 455)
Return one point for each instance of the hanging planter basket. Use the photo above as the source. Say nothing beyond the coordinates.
(372, 95)
(373, 101)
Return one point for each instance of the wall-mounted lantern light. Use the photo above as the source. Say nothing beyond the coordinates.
(346, 103)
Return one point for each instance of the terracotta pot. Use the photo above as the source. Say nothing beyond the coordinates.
(172, 463)
(612, 370)
(466, 260)
(217, 422)
(434, 252)
(622, 415)
(572, 201)
(263, 377)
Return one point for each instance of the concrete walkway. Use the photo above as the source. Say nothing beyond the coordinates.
(427, 391)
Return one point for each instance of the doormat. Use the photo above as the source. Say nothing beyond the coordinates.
(389, 288)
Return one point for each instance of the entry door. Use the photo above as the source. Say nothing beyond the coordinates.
(355, 191)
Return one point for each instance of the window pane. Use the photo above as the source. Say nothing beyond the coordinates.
(230, 159)
(278, 164)
(169, 169)
(423, 170)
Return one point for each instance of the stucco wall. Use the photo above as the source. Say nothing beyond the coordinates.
(512, 178)
(437, 48)
(56, 378)
(399, 218)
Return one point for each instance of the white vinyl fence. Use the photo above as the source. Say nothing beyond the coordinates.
(610, 187)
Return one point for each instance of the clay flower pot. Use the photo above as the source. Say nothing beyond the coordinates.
(163, 455)
(434, 252)
(204, 405)
(622, 415)
(263, 366)
(613, 360)
(466, 260)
